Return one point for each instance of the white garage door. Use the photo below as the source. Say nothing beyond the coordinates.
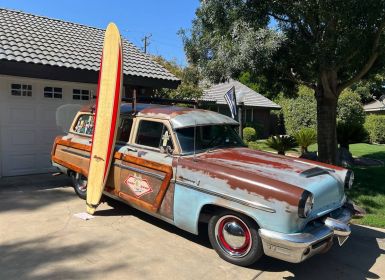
(28, 129)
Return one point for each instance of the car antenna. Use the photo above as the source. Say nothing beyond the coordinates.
(195, 135)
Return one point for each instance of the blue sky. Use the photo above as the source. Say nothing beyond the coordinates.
(135, 18)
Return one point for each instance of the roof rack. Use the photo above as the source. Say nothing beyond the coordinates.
(163, 101)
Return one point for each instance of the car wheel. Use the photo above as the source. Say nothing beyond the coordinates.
(235, 238)
(79, 183)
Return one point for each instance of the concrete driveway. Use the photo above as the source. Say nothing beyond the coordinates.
(41, 239)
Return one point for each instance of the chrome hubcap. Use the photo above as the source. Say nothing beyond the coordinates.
(80, 182)
(233, 236)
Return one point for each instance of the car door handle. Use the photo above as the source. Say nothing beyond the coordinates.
(131, 149)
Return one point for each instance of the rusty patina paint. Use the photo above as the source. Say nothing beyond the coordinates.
(167, 111)
(240, 178)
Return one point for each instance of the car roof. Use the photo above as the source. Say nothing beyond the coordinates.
(178, 116)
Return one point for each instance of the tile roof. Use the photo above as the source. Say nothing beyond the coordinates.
(41, 40)
(243, 94)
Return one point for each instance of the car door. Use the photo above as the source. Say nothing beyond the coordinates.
(146, 167)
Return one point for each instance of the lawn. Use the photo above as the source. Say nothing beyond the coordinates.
(369, 186)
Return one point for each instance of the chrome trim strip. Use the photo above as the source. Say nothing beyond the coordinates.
(75, 153)
(233, 199)
(155, 175)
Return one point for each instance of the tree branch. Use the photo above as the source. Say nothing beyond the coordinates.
(372, 58)
(294, 78)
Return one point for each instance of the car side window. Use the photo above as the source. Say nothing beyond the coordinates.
(153, 134)
(84, 125)
(124, 130)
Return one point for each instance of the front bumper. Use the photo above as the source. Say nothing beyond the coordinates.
(316, 238)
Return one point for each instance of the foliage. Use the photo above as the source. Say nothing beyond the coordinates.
(372, 86)
(375, 125)
(224, 39)
(249, 134)
(259, 128)
(281, 143)
(300, 112)
(265, 84)
(350, 119)
(327, 45)
(305, 137)
(189, 88)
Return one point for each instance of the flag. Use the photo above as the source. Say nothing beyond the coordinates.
(232, 102)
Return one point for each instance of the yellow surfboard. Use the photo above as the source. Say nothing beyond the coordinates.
(106, 116)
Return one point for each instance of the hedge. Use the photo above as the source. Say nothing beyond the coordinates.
(375, 126)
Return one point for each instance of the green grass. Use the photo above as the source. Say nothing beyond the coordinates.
(369, 187)
(368, 190)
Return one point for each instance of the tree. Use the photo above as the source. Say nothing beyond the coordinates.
(190, 87)
(326, 45)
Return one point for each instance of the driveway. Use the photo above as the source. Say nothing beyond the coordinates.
(41, 239)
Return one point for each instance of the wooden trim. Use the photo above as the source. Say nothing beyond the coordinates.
(74, 145)
(70, 166)
(154, 207)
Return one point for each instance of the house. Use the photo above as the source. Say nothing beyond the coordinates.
(47, 63)
(255, 107)
(375, 107)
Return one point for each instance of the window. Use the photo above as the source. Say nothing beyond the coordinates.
(153, 134)
(124, 130)
(53, 92)
(208, 137)
(81, 94)
(85, 125)
(21, 90)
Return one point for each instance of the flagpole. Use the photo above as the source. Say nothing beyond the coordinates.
(240, 119)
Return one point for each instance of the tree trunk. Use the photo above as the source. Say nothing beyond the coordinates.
(327, 94)
(326, 129)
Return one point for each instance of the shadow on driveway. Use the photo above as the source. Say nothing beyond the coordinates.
(45, 259)
(21, 193)
(351, 261)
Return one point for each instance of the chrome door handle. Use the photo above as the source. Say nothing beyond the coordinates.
(131, 149)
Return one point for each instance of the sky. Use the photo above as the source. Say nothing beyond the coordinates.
(135, 19)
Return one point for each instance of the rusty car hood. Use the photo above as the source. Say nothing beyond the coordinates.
(269, 175)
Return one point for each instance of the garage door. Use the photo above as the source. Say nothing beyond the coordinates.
(28, 129)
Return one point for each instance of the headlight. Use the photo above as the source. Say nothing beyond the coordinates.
(349, 179)
(305, 204)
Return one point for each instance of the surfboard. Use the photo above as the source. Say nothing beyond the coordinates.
(106, 116)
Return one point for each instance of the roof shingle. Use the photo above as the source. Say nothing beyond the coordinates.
(41, 40)
(243, 94)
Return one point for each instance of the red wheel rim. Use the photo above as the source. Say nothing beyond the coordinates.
(243, 233)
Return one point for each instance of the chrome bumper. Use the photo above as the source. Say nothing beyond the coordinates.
(316, 239)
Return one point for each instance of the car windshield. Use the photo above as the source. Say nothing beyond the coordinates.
(208, 137)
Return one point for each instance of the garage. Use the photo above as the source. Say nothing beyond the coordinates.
(45, 64)
(28, 121)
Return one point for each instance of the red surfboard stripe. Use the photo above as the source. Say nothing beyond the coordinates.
(97, 101)
(114, 115)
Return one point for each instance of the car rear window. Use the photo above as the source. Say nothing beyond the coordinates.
(85, 124)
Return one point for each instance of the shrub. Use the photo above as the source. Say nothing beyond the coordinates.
(375, 126)
(350, 119)
(305, 137)
(299, 112)
(281, 143)
(249, 134)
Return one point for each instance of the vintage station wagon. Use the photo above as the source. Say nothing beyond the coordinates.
(187, 166)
